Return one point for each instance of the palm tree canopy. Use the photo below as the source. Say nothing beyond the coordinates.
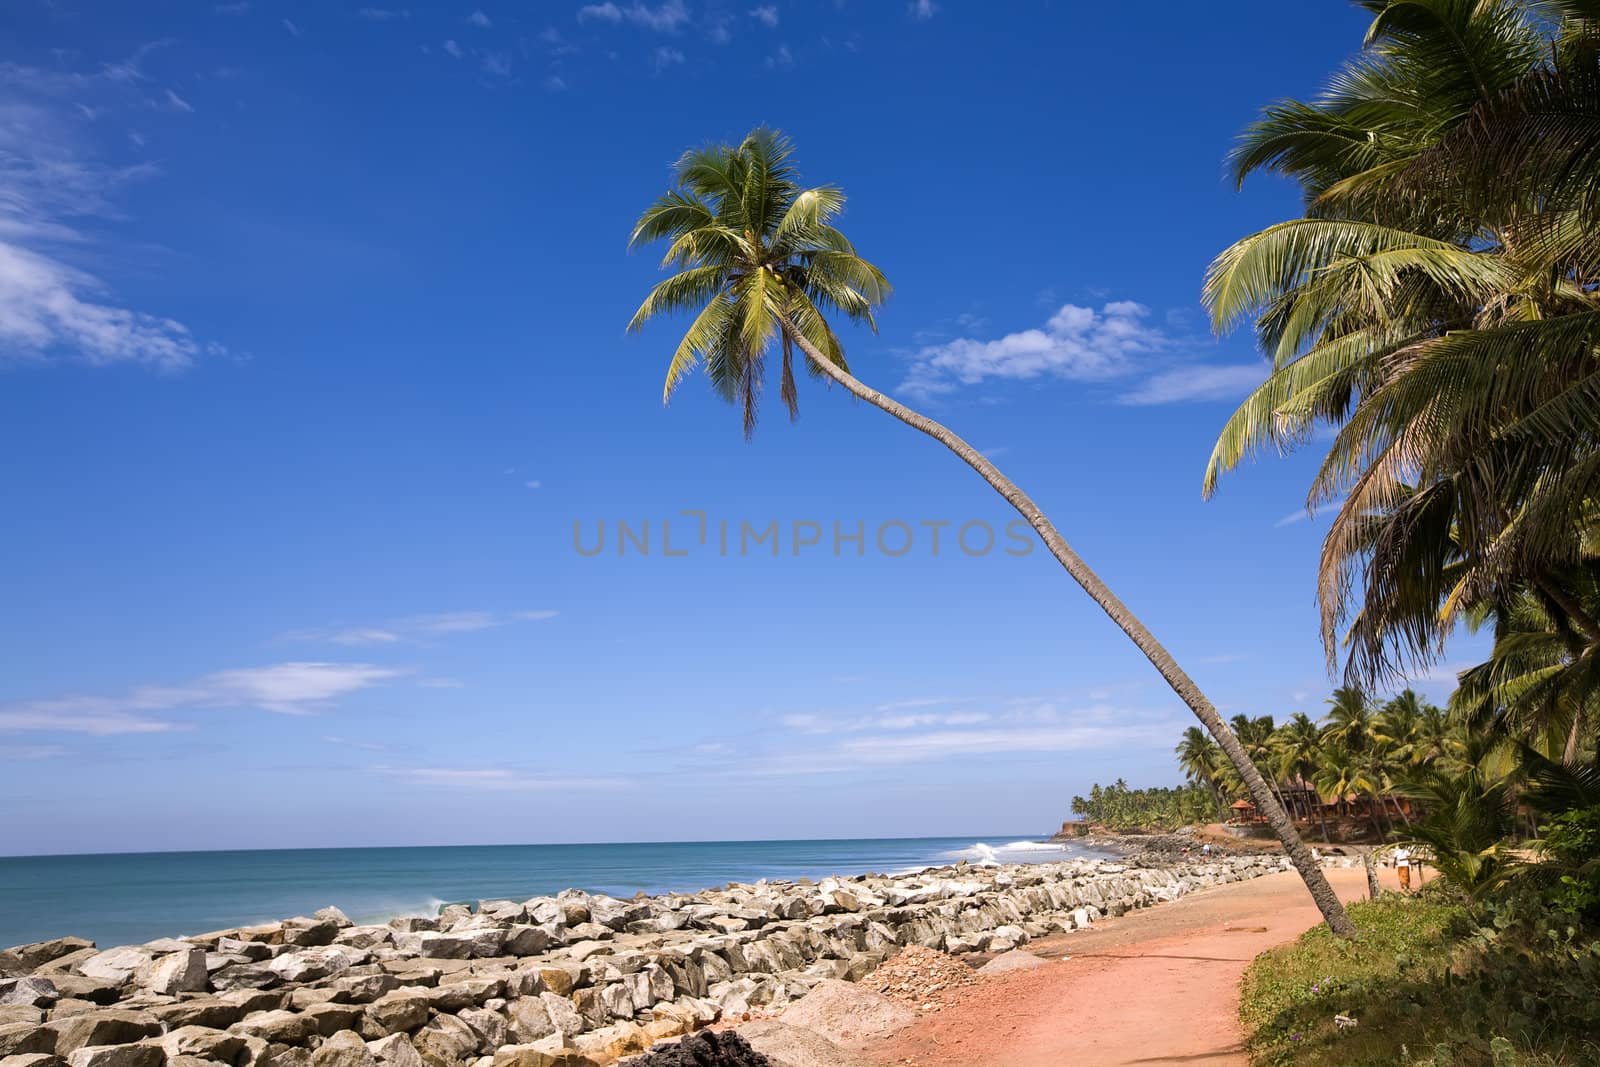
(752, 249)
(1436, 305)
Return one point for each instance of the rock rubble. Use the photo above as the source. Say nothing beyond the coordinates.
(572, 980)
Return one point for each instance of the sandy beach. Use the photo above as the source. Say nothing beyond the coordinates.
(1153, 987)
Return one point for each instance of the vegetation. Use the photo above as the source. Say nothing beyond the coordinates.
(1361, 759)
(1437, 306)
(758, 261)
(1426, 983)
(1116, 807)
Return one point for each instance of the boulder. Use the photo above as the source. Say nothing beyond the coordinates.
(311, 964)
(396, 1050)
(527, 1020)
(22, 959)
(209, 1012)
(309, 933)
(20, 1013)
(244, 976)
(21, 1039)
(363, 988)
(396, 1012)
(445, 1041)
(548, 1052)
(101, 991)
(179, 972)
(332, 1018)
(525, 940)
(30, 992)
(727, 1048)
(104, 1027)
(116, 964)
(138, 1054)
(490, 1026)
(33, 1059)
(202, 1041)
(279, 1027)
(333, 915)
(343, 1049)
(563, 1014)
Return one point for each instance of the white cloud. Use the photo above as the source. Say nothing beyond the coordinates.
(480, 20)
(555, 83)
(535, 484)
(1302, 514)
(53, 187)
(782, 59)
(495, 778)
(383, 14)
(284, 688)
(419, 627)
(923, 10)
(767, 15)
(1077, 343)
(497, 63)
(48, 308)
(294, 31)
(453, 49)
(667, 17)
(232, 9)
(365, 746)
(1198, 382)
(667, 57)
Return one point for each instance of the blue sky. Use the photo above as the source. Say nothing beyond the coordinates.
(312, 356)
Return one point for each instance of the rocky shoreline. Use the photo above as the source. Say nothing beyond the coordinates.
(573, 980)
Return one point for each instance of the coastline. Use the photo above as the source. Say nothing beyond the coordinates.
(585, 975)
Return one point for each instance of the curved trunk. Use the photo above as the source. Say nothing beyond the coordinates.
(1321, 892)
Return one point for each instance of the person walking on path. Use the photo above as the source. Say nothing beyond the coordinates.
(1402, 866)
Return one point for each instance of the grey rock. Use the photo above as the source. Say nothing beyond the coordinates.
(180, 972)
(563, 1013)
(445, 1041)
(277, 1027)
(31, 991)
(395, 1012)
(116, 964)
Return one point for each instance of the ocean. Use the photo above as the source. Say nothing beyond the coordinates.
(127, 898)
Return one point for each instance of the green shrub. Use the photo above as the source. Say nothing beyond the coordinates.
(1431, 981)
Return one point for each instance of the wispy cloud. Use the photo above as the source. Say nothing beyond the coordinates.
(29, 753)
(419, 627)
(453, 50)
(232, 9)
(667, 57)
(53, 186)
(535, 484)
(1303, 514)
(480, 20)
(667, 17)
(782, 59)
(283, 688)
(1198, 382)
(383, 14)
(500, 779)
(294, 31)
(365, 746)
(766, 14)
(923, 10)
(1077, 343)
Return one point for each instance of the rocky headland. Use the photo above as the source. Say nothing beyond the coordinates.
(573, 980)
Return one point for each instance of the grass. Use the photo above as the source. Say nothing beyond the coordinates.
(1421, 988)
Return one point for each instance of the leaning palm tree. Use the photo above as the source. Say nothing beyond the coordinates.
(758, 261)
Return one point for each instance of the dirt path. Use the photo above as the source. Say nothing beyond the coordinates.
(1154, 987)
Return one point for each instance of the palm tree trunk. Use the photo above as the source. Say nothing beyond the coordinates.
(1321, 892)
(1322, 817)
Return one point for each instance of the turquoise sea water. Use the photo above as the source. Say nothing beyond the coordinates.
(126, 898)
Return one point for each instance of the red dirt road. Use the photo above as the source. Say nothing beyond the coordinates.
(1159, 986)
